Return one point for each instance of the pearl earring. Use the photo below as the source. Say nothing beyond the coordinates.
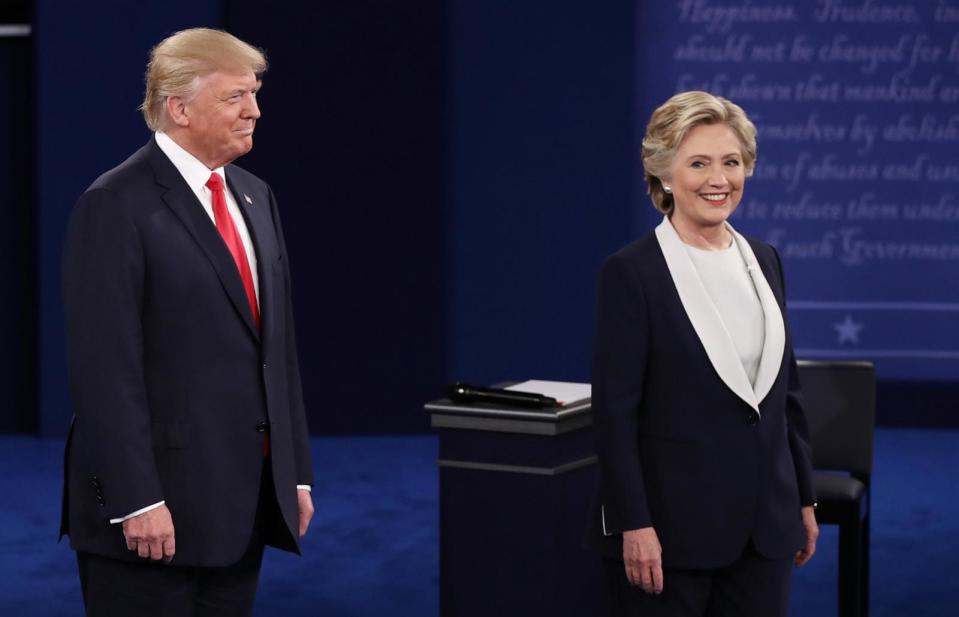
(667, 188)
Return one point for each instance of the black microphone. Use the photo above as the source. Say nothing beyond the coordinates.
(465, 393)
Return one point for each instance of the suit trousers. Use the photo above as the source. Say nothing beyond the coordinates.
(115, 588)
(751, 586)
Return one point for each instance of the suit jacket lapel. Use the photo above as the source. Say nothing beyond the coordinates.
(774, 341)
(704, 316)
(187, 208)
(256, 214)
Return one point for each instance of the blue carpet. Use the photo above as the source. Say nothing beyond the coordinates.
(915, 532)
(372, 549)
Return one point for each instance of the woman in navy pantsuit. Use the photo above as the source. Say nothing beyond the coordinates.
(706, 498)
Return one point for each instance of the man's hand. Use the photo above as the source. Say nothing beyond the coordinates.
(151, 534)
(305, 506)
(642, 555)
(812, 533)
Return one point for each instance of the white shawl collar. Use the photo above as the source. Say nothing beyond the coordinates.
(709, 325)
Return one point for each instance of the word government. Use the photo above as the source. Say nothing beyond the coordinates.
(852, 248)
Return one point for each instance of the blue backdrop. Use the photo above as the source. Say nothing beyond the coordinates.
(452, 174)
(542, 180)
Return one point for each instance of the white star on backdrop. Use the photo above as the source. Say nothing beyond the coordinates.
(848, 330)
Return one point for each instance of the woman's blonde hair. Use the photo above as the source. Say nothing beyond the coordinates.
(179, 61)
(670, 124)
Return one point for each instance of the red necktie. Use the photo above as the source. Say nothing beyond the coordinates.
(227, 229)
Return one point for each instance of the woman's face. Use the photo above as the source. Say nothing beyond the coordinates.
(707, 176)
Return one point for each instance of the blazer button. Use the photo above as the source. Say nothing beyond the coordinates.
(261, 427)
(752, 419)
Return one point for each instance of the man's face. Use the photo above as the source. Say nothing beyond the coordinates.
(221, 117)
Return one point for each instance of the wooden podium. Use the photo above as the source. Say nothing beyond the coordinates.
(515, 491)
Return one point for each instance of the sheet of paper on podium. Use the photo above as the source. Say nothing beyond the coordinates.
(565, 392)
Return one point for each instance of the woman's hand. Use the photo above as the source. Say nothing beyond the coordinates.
(812, 533)
(642, 555)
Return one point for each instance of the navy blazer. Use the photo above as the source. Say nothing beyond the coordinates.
(172, 383)
(679, 449)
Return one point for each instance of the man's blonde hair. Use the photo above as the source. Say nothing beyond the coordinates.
(180, 61)
(670, 124)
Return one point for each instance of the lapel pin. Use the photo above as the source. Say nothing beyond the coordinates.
(247, 198)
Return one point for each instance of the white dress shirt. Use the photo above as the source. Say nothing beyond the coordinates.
(723, 274)
(196, 175)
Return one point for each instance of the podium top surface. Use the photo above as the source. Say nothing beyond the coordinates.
(549, 414)
(445, 414)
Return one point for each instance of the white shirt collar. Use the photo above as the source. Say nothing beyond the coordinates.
(193, 171)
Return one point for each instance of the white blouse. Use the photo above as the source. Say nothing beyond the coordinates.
(724, 275)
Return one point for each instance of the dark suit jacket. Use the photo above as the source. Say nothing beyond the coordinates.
(679, 449)
(172, 384)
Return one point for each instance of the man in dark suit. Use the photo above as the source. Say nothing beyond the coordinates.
(189, 450)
